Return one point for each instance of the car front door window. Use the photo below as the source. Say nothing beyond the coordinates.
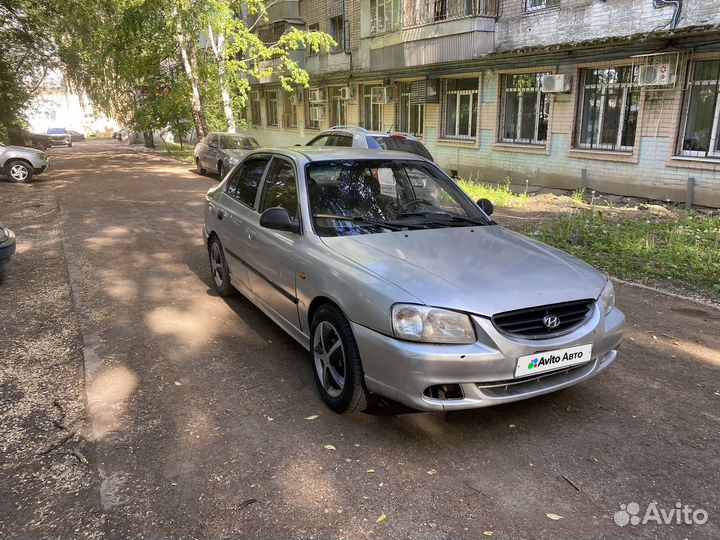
(280, 188)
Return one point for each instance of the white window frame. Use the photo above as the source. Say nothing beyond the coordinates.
(291, 111)
(474, 96)
(544, 4)
(338, 107)
(367, 99)
(713, 151)
(389, 23)
(538, 95)
(626, 87)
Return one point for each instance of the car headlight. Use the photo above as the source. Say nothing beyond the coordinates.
(431, 325)
(607, 297)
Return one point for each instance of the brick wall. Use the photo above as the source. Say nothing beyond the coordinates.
(578, 20)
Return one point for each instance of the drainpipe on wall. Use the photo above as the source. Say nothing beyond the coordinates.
(677, 4)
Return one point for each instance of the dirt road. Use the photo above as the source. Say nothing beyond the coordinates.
(205, 421)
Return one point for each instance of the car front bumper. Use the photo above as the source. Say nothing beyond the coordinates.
(484, 370)
(7, 249)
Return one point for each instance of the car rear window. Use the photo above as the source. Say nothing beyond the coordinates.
(396, 143)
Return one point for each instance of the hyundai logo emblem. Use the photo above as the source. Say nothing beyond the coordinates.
(551, 321)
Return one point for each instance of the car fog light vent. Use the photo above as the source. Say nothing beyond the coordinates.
(444, 391)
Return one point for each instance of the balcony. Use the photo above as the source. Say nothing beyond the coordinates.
(282, 10)
(435, 31)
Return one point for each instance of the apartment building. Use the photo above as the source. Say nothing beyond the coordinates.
(621, 96)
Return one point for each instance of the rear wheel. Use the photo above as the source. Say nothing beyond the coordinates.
(219, 269)
(336, 361)
(19, 172)
(199, 167)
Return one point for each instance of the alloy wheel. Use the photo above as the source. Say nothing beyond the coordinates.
(329, 355)
(216, 262)
(19, 172)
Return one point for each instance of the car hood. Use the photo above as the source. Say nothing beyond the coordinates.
(22, 149)
(484, 270)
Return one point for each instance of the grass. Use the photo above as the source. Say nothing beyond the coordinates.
(499, 194)
(683, 253)
(183, 154)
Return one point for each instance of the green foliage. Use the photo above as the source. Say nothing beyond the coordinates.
(578, 196)
(185, 153)
(683, 252)
(499, 194)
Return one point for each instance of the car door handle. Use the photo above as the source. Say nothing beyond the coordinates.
(221, 214)
(251, 235)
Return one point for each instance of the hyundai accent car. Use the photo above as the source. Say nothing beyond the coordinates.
(400, 286)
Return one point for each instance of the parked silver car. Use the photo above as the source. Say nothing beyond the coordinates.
(358, 137)
(219, 152)
(19, 163)
(400, 285)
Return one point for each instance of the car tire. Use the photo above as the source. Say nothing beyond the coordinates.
(219, 269)
(221, 170)
(199, 167)
(69, 145)
(342, 392)
(19, 172)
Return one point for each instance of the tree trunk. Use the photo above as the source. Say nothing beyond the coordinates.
(218, 47)
(192, 52)
(195, 104)
(149, 139)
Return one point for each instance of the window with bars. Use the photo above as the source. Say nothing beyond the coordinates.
(255, 107)
(536, 5)
(385, 16)
(701, 122)
(271, 107)
(410, 118)
(609, 105)
(289, 110)
(372, 113)
(271, 33)
(338, 108)
(525, 109)
(460, 108)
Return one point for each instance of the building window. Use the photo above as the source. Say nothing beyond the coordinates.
(410, 117)
(255, 107)
(372, 113)
(525, 109)
(309, 122)
(271, 107)
(385, 16)
(460, 109)
(313, 28)
(609, 106)
(338, 108)
(701, 127)
(289, 110)
(336, 29)
(430, 11)
(535, 5)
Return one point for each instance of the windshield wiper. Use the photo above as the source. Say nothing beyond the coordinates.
(444, 217)
(360, 219)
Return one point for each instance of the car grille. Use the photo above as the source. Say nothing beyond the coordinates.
(528, 323)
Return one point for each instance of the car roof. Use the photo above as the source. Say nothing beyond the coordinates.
(358, 129)
(228, 134)
(325, 153)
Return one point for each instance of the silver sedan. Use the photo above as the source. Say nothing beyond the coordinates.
(401, 286)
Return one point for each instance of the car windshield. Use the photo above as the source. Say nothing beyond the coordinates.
(57, 131)
(398, 142)
(228, 142)
(352, 197)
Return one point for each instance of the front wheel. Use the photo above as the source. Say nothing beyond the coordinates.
(19, 172)
(336, 361)
(219, 269)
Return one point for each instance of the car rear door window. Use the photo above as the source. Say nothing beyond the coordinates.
(244, 184)
(320, 140)
(340, 139)
(280, 188)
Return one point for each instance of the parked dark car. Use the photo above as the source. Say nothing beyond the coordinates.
(59, 137)
(7, 248)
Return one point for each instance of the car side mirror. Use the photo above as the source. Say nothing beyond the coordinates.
(486, 206)
(278, 219)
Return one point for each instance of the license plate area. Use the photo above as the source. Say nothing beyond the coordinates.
(544, 361)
